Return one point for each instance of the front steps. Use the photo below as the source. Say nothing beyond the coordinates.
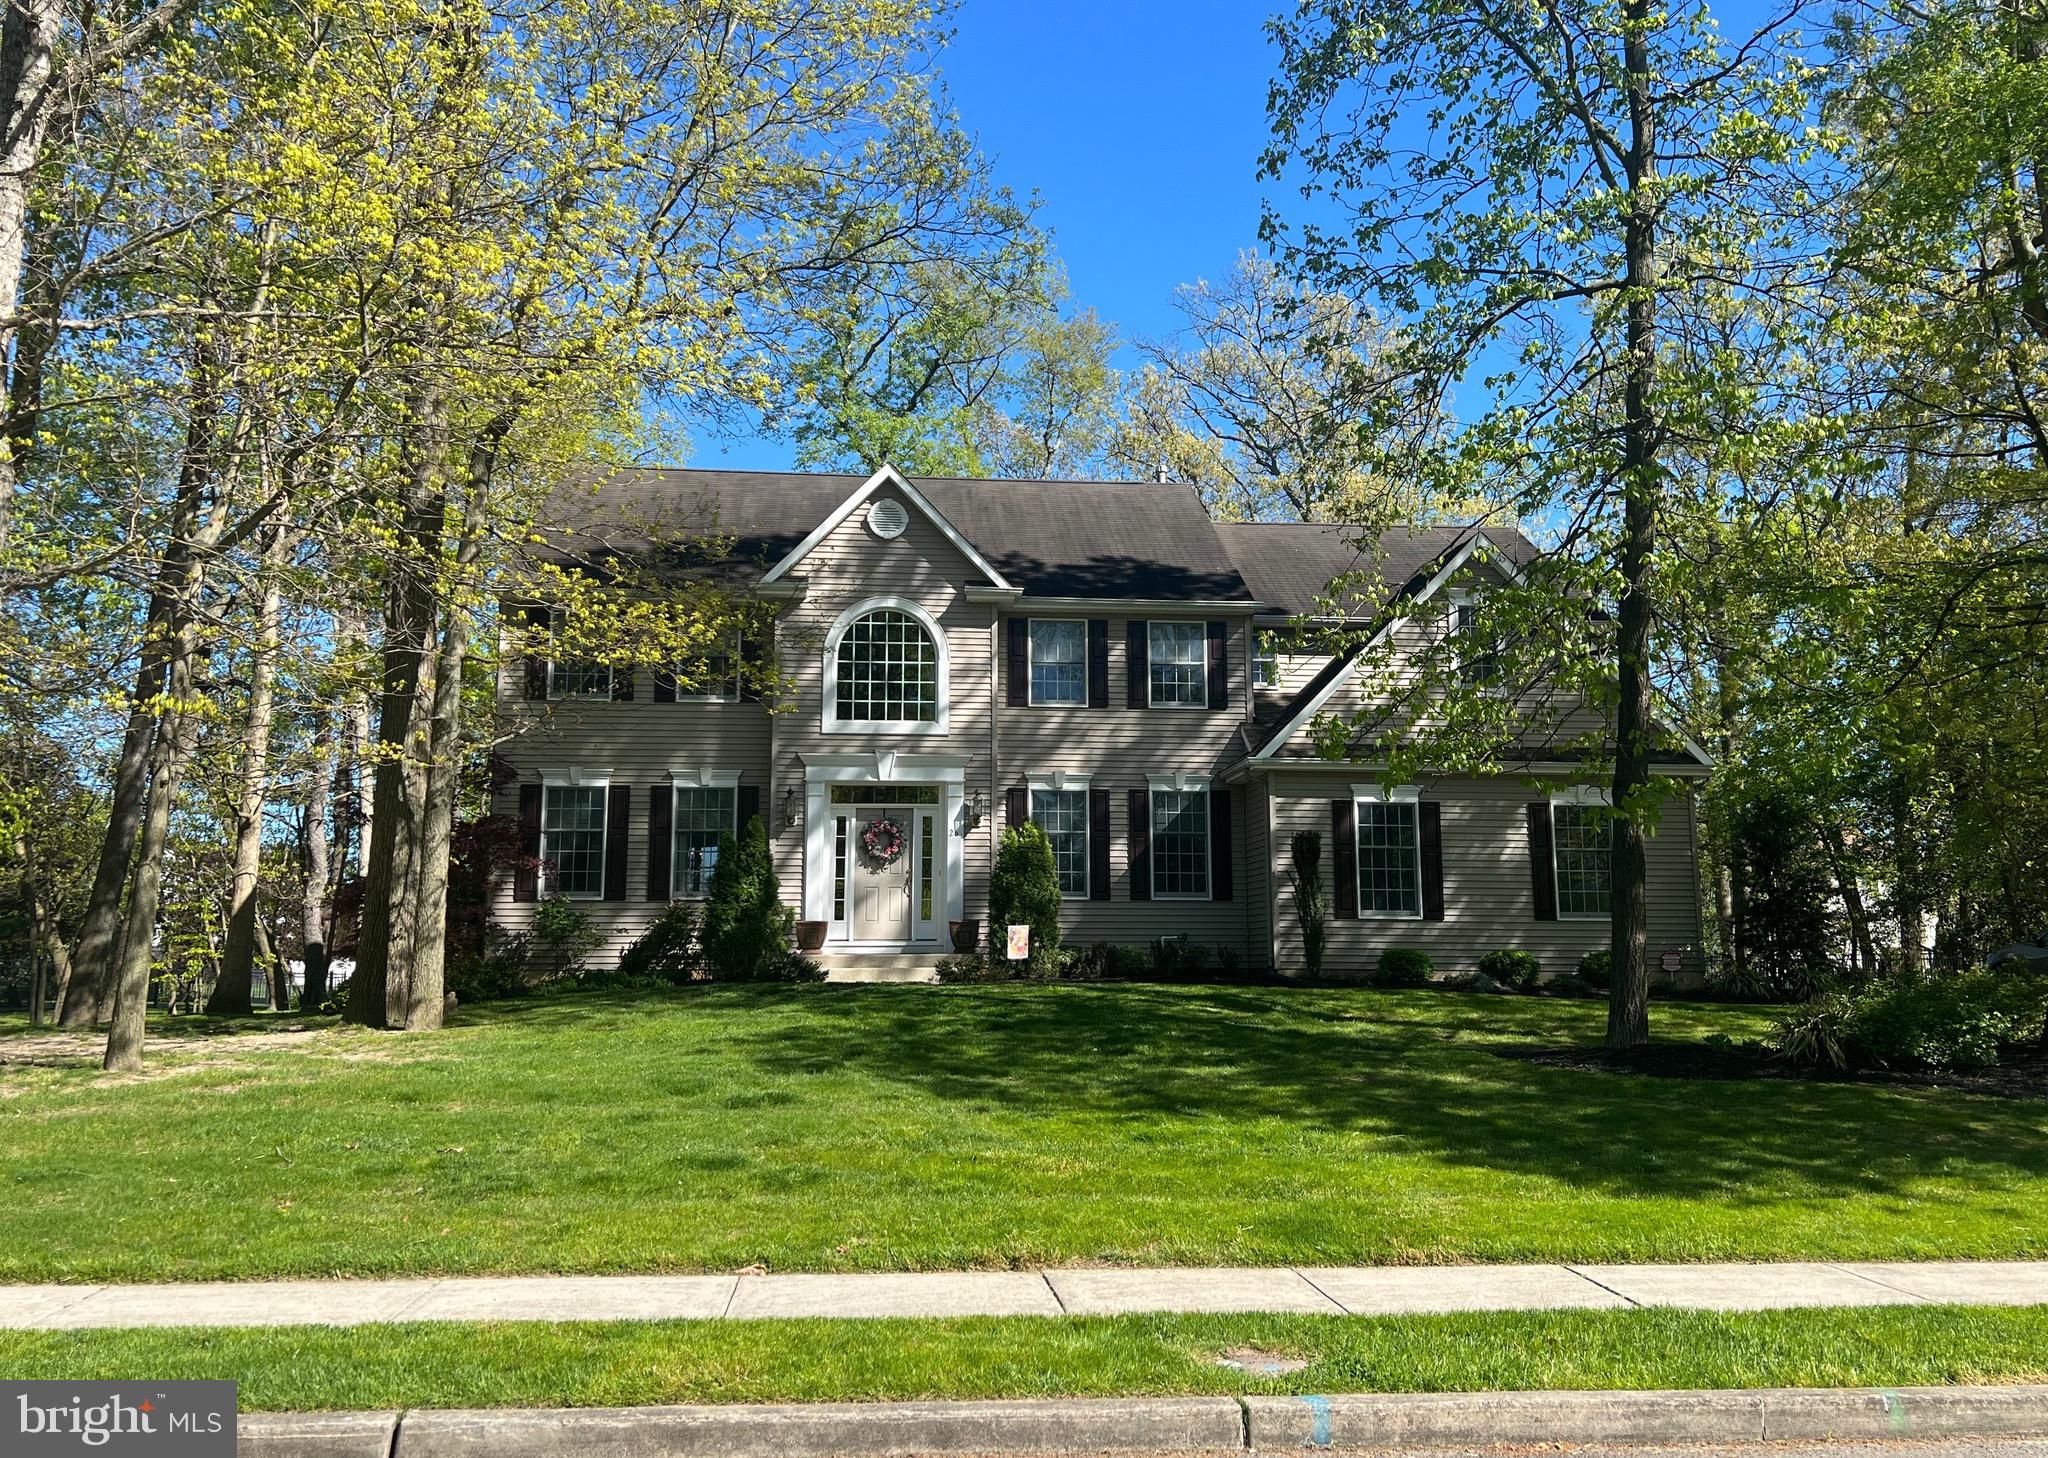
(880, 967)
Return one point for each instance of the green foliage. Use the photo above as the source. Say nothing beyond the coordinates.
(1311, 899)
(1025, 890)
(1788, 926)
(1176, 958)
(563, 935)
(1933, 1024)
(746, 928)
(1596, 969)
(1519, 970)
(666, 951)
(1403, 967)
(489, 975)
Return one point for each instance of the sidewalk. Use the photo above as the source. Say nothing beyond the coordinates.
(1332, 1291)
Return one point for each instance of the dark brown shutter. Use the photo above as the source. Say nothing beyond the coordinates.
(618, 816)
(1020, 662)
(1137, 661)
(749, 802)
(536, 621)
(526, 876)
(1098, 663)
(1542, 870)
(1017, 806)
(1098, 844)
(1429, 822)
(1219, 665)
(1141, 845)
(1344, 856)
(1220, 849)
(622, 685)
(750, 665)
(661, 841)
(664, 685)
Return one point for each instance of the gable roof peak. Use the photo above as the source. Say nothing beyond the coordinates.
(887, 475)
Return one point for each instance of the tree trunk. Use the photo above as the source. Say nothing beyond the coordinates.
(231, 994)
(277, 978)
(28, 49)
(1862, 944)
(1628, 1011)
(355, 810)
(1909, 893)
(314, 853)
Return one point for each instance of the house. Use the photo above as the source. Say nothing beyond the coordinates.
(1099, 657)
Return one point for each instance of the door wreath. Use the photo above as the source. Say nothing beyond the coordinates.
(883, 841)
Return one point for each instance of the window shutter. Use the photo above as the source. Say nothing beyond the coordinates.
(1430, 822)
(1098, 663)
(537, 620)
(664, 686)
(1219, 665)
(661, 842)
(526, 876)
(1017, 807)
(1020, 662)
(749, 803)
(752, 663)
(1542, 870)
(1221, 853)
(618, 816)
(1137, 661)
(622, 685)
(1140, 853)
(1344, 858)
(1098, 842)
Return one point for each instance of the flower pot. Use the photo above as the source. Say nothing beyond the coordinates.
(966, 935)
(810, 935)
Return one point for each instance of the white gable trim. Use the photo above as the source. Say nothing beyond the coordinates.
(887, 476)
(1343, 676)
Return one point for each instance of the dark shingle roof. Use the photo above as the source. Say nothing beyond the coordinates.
(1107, 539)
(1290, 565)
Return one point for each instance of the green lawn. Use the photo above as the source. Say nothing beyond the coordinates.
(626, 1363)
(886, 1128)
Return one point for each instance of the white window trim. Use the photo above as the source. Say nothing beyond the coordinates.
(554, 697)
(1377, 794)
(831, 723)
(696, 779)
(1031, 679)
(1575, 795)
(729, 694)
(1181, 783)
(575, 777)
(1152, 658)
(1065, 782)
(1269, 639)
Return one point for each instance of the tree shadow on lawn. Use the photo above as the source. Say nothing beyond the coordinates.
(1417, 1072)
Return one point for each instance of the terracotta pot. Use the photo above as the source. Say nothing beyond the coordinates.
(810, 935)
(966, 935)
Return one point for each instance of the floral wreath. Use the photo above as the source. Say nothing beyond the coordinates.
(883, 840)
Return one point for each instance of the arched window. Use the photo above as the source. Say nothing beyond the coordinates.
(889, 670)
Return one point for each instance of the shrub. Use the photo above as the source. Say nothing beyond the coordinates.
(1404, 967)
(1311, 899)
(1596, 969)
(1519, 970)
(1914, 1023)
(1025, 890)
(491, 975)
(1177, 957)
(1120, 962)
(1229, 960)
(745, 928)
(667, 950)
(563, 935)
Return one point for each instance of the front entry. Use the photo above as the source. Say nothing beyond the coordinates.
(882, 869)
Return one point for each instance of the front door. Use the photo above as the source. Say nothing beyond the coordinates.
(882, 863)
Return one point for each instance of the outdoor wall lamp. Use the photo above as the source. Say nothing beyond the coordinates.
(790, 808)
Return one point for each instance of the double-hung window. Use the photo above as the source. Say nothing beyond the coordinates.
(702, 815)
(1180, 843)
(1389, 854)
(1059, 662)
(713, 679)
(1178, 654)
(1479, 659)
(1579, 844)
(574, 678)
(1266, 661)
(572, 826)
(1063, 815)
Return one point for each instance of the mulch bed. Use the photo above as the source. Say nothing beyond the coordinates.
(2024, 1080)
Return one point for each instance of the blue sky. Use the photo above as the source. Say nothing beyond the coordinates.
(1139, 125)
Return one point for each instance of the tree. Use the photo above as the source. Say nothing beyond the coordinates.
(1024, 890)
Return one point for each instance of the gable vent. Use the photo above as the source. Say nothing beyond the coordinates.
(887, 519)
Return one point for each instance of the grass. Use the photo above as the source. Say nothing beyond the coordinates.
(628, 1363)
(888, 1128)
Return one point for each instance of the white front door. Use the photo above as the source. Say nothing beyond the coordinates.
(881, 879)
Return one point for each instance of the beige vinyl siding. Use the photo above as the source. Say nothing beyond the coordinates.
(1488, 898)
(1117, 747)
(1260, 859)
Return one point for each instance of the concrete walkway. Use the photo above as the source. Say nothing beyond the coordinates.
(1332, 1291)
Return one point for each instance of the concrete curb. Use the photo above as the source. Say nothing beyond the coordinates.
(1248, 1425)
